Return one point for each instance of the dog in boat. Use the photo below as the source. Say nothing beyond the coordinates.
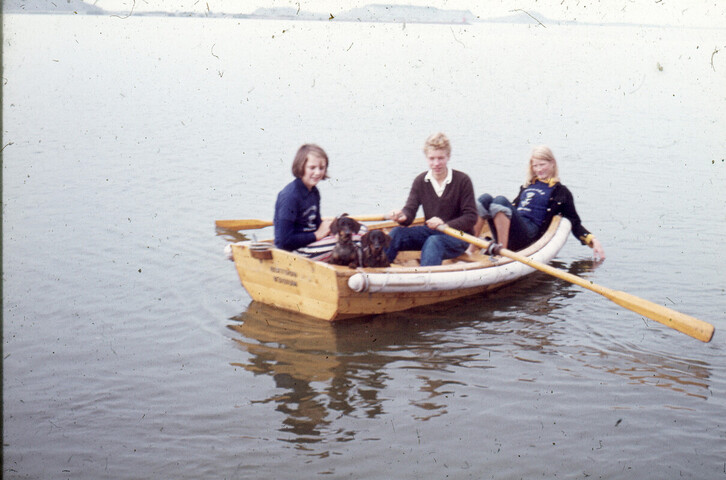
(374, 245)
(346, 251)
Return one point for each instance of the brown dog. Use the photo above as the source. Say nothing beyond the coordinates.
(345, 252)
(374, 244)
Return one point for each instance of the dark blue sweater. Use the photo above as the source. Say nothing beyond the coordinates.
(560, 203)
(297, 215)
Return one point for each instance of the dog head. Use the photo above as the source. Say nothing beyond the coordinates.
(345, 227)
(375, 240)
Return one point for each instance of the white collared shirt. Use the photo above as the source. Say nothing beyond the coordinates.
(438, 188)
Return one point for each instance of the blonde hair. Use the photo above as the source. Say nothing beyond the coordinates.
(437, 141)
(542, 152)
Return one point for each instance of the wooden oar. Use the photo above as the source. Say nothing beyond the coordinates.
(694, 327)
(253, 224)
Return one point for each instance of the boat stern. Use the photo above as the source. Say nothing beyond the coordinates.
(288, 281)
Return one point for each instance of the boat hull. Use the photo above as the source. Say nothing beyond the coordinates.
(332, 292)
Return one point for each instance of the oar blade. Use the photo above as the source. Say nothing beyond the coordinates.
(687, 324)
(245, 224)
(691, 326)
(253, 223)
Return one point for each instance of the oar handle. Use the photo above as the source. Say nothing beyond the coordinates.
(691, 326)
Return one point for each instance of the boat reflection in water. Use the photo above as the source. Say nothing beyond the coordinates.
(327, 370)
(330, 369)
(324, 371)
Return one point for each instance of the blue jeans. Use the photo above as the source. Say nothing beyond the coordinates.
(522, 231)
(435, 246)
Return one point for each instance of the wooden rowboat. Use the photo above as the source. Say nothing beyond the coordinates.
(332, 292)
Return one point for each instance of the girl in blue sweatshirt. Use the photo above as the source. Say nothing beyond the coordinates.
(520, 223)
(297, 220)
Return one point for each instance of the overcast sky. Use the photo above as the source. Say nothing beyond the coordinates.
(693, 13)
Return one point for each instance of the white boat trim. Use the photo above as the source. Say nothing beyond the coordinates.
(427, 281)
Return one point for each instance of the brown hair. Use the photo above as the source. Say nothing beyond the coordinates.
(542, 152)
(437, 141)
(298, 165)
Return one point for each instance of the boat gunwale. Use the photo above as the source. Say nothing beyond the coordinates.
(464, 262)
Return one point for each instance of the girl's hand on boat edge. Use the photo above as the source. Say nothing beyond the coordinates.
(597, 251)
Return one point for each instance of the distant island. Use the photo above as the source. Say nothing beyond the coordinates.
(405, 14)
(374, 13)
(74, 7)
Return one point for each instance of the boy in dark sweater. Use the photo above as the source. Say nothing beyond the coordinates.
(447, 197)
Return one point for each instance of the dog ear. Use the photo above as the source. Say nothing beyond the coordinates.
(357, 226)
(334, 226)
(365, 239)
(388, 239)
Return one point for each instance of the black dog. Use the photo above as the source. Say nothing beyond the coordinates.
(346, 252)
(374, 244)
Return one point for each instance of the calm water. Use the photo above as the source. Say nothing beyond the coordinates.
(131, 351)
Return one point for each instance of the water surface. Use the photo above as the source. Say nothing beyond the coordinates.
(130, 350)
